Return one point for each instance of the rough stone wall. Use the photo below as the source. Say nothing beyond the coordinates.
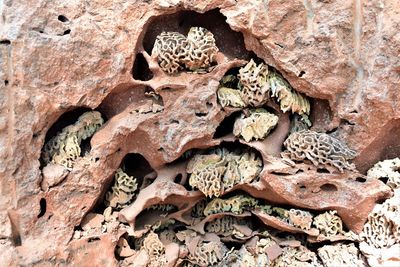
(56, 56)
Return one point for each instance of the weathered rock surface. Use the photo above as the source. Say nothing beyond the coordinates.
(57, 56)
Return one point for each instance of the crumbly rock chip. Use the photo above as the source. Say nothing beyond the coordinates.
(321, 149)
(257, 125)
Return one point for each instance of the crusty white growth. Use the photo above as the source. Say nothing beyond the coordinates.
(221, 169)
(122, 192)
(229, 97)
(329, 224)
(208, 253)
(236, 204)
(253, 84)
(298, 218)
(175, 52)
(382, 229)
(321, 149)
(389, 169)
(341, 255)
(257, 125)
(64, 148)
(155, 250)
(227, 226)
(296, 257)
(288, 98)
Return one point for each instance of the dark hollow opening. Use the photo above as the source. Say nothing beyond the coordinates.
(226, 126)
(43, 207)
(229, 42)
(140, 70)
(62, 18)
(329, 187)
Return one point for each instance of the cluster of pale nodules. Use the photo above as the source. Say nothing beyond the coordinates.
(216, 219)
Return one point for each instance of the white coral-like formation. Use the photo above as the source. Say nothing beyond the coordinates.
(296, 257)
(321, 149)
(122, 192)
(220, 170)
(257, 125)
(227, 226)
(288, 98)
(340, 255)
(329, 224)
(236, 204)
(155, 250)
(64, 148)
(389, 169)
(253, 84)
(176, 52)
(382, 229)
(208, 253)
(229, 97)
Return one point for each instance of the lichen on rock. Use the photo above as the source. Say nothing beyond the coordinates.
(321, 149)
(329, 224)
(64, 148)
(256, 125)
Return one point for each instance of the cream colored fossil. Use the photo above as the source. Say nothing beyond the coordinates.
(236, 204)
(229, 97)
(64, 148)
(340, 255)
(321, 149)
(298, 218)
(389, 169)
(122, 192)
(155, 250)
(253, 84)
(297, 257)
(227, 226)
(208, 253)
(221, 169)
(176, 52)
(256, 125)
(329, 224)
(288, 98)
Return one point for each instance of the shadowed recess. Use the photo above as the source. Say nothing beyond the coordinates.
(229, 42)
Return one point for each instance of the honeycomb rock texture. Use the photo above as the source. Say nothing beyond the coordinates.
(60, 59)
(319, 148)
(341, 255)
(387, 169)
(122, 192)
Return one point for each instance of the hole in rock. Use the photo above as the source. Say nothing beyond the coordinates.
(201, 114)
(43, 207)
(5, 42)
(384, 179)
(123, 96)
(226, 126)
(62, 18)
(140, 70)
(229, 42)
(301, 74)
(137, 166)
(361, 179)
(67, 32)
(329, 187)
(6, 82)
(67, 119)
(320, 170)
(178, 178)
(93, 239)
